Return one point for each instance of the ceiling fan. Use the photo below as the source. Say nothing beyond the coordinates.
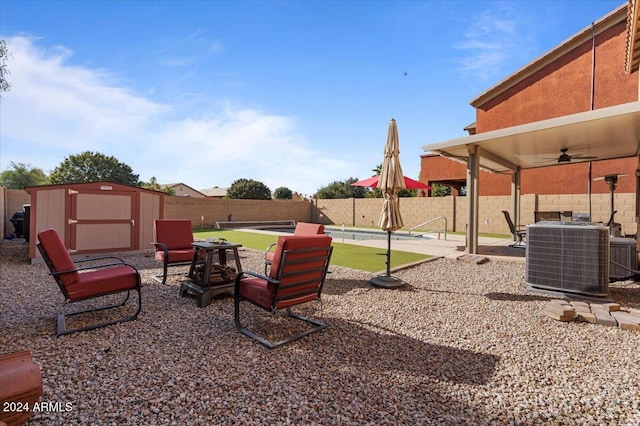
(566, 158)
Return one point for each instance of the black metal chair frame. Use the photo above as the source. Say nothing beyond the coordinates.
(520, 234)
(166, 263)
(267, 262)
(318, 325)
(63, 315)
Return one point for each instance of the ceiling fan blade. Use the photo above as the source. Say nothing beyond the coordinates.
(583, 157)
(566, 158)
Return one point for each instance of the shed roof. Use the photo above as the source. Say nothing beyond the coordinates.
(100, 185)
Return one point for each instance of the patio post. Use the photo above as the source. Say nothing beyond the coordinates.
(473, 171)
(515, 196)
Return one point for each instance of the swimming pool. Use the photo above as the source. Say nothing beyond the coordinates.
(358, 235)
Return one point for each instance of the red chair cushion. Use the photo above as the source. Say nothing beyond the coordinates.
(175, 233)
(103, 281)
(304, 228)
(256, 290)
(58, 255)
(303, 287)
(296, 242)
(185, 255)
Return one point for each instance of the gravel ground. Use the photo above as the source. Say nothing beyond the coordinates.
(460, 344)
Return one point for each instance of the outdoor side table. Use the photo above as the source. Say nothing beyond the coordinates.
(209, 274)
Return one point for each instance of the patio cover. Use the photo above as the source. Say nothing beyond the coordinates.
(605, 133)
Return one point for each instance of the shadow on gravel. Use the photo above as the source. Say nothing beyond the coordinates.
(510, 297)
(395, 351)
(341, 286)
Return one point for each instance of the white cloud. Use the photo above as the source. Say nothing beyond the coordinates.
(493, 39)
(55, 109)
(52, 104)
(216, 46)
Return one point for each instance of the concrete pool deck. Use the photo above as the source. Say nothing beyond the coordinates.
(452, 247)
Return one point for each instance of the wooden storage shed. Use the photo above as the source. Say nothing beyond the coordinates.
(96, 217)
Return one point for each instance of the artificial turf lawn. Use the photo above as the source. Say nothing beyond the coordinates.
(368, 259)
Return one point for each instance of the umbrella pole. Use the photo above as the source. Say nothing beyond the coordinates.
(387, 280)
(388, 253)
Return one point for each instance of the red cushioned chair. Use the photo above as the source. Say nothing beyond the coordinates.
(302, 228)
(297, 275)
(172, 241)
(89, 282)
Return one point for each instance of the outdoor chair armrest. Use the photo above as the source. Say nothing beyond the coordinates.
(256, 275)
(98, 258)
(160, 246)
(101, 266)
(272, 245)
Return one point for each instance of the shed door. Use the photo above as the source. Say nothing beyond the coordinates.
(101, 221)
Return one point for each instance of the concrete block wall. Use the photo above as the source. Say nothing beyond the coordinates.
(366, 211)
(12, 200)
(528, 205)
(460, 221)
(208, 211)
(490, 216)
(336, 212)
(416, 212)
(624, 203)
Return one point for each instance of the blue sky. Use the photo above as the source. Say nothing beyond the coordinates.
(294, 94)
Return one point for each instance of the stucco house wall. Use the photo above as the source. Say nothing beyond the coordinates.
(558, 83)
(563, 86)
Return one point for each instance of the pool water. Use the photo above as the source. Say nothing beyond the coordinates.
(359, 235)
(339, 234)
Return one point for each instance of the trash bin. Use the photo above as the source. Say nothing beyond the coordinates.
(17, 220)
(26, 221)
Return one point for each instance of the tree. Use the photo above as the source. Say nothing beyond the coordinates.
(22, 176)
(439, 190)
(249, 189)
(155, 186)
(93, 167)
(341, 189)
(282, 193)
(4, 54)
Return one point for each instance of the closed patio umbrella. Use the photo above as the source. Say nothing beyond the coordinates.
(390, 183)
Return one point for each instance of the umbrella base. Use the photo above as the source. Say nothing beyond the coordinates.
(386, 281)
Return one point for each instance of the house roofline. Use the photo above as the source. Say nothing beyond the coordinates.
(632, 54)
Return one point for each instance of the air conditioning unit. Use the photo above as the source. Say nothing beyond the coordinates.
(623, 252)
(568, 259)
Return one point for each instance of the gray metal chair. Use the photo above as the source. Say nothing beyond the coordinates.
(518, 233)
